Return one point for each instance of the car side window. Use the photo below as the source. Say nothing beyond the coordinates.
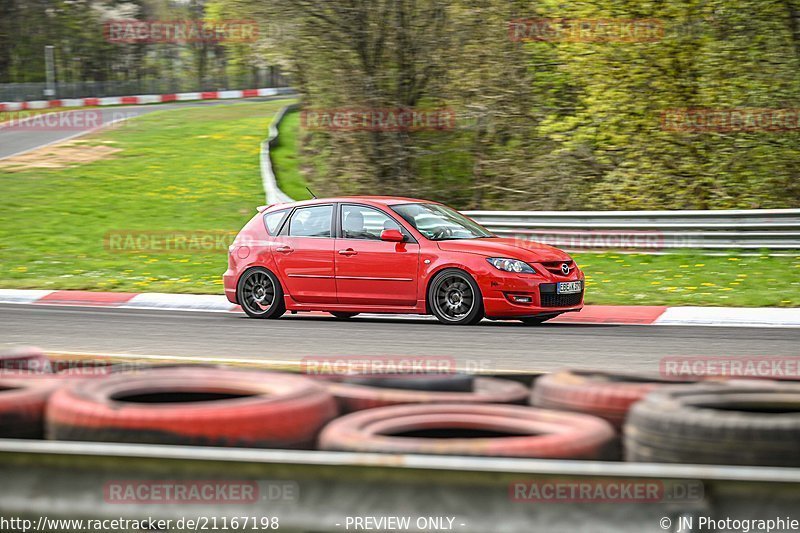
(362, 222)
(273, 221)
(314, 221)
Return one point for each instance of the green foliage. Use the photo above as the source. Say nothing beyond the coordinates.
(552, 124)
(76, 30)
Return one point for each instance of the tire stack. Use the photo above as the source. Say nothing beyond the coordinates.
(188, 406)
(23, 399)
(22, 406)
(453, 414)
(204, 406)
(736, 422)
(470, 429)
(608, 395)
(368, 392)
(754, 424)
(574, 414)
(165, 405)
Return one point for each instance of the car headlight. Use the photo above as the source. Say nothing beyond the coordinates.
(510, 265)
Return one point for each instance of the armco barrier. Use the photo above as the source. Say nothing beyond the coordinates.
(773, 229)
(62, 480)
(273, 193)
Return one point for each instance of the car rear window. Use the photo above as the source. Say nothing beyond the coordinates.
(273, 221)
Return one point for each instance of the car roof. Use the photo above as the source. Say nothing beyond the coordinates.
(373, 200)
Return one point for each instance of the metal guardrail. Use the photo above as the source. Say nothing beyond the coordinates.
(772, 229)
(273, 193)
(70, 479)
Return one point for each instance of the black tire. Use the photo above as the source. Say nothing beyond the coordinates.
(438, 383)
(454, 298)
(343, 316)
(536, 320)
(257, 285)
(757, 425)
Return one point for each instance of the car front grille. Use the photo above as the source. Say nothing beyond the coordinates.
(549, 298)
(554, 267)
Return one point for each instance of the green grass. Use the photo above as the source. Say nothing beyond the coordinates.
(188, 170)
(691, 279)
(286, 158)
(196, 170)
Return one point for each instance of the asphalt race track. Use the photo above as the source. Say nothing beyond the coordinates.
(18, 140)
(489, 345)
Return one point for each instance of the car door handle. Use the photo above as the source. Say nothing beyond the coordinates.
(284, 250)
(348, 252)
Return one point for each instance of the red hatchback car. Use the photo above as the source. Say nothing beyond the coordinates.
(374, 254)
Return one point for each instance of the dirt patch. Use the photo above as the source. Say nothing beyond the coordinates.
(63, 155)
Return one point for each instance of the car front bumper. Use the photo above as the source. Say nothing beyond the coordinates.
(509, 295)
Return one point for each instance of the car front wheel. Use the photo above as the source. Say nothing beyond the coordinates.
(454, 298)
(260, 294)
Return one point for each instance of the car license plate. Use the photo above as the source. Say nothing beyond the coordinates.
(569, 287)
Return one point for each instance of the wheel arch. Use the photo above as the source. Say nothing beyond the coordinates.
(440, 268)
(280, 292)
(263, 261)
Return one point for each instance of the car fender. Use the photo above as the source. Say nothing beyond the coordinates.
(474, 265)
(253, 248)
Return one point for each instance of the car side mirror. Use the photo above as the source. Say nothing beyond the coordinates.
(392, 235)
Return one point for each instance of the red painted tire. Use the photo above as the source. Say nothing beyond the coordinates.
(25, 359)
(203, 407)
(353, 397)
(22, 406)
(604, 394)
(458, 429)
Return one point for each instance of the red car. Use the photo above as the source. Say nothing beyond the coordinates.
(375, 254)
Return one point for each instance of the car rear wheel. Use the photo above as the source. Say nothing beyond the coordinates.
(260, 294)
(343, 316)
(536, 320)
(454, 298)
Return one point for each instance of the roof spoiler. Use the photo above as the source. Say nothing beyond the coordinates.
(263, 208)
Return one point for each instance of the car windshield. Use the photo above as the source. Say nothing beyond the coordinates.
(439, 223)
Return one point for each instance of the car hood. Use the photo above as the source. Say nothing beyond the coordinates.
(529, 251)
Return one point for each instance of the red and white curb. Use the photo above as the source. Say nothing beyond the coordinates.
(591, 314)
(142, 99)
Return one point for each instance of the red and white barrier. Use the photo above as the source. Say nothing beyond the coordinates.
(591, 314)
(140, 99)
